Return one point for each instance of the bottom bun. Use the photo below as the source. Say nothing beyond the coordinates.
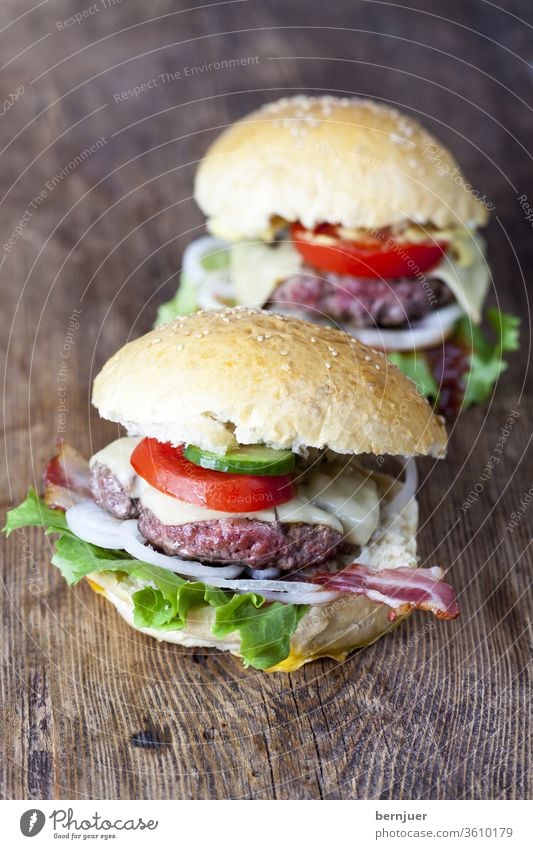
(333, 629)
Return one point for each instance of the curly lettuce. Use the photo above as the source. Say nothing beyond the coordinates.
(185, 301)
(165, 600)
(485, 357)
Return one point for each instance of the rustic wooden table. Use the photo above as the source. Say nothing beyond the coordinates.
(95, 210)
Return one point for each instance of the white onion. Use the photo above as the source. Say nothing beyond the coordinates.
(214, 294)
(407, 491)
(289, 592)
(259, 585)
(92, 524)
(193, 253)
(269, 572)
(133, 542)
(316, 597)
(421, 334)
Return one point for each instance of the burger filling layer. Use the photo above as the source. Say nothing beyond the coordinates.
(333, 508)
(360, 302)
(365, 280)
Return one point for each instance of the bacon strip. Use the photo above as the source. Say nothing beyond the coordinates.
(401, 589)
(66, 479)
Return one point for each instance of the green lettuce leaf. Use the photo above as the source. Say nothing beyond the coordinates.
(415, 366)
(184, 302)
(34, 513)
(265, 633)
(486, 359)
(165, 599)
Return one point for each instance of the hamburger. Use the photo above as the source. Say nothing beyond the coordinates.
(248, 507)
(348, 213)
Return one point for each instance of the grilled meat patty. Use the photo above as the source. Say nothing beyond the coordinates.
(361, 302)
(286, 545)
(109, 493)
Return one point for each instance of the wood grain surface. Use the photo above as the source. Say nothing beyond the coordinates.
(96, 196)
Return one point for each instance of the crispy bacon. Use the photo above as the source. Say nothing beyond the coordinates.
(66, 479)
(401, 589)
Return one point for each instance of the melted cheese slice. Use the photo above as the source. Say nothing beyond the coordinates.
(116, 456)
(465, 272)
(256, 268)
(348, 494)
(344, 499)
(172, 511)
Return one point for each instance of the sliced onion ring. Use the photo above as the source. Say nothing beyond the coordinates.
(407, 491)
(93, 524)
(428, 331)
(134, 543)
(289, 592)
(193, 253)
(268, 573)
(214, 294)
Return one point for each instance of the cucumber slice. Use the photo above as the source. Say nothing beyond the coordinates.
(244, 460)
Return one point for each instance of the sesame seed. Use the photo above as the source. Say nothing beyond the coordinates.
(376, 366)
(284, 353)
(328, 365)
(313, 339)
(366, 358)
(267, 335)
(260, 338)
(179, 347)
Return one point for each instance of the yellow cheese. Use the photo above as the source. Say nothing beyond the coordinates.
(116, 456)
(172, 511)
(465, 271)
(256, 268)
(350, 495)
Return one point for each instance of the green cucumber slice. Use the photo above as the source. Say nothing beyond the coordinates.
(244, 460)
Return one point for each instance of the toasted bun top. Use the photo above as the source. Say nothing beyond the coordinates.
(326, 159)
(247, 376)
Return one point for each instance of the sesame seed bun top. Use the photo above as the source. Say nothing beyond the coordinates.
(246, 376)
(327, 159)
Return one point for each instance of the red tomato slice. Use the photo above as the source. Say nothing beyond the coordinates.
(375, 257)
(166, 469)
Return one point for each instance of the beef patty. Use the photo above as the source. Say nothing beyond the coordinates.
(286, 545)
(361, 302)
(109, 493)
